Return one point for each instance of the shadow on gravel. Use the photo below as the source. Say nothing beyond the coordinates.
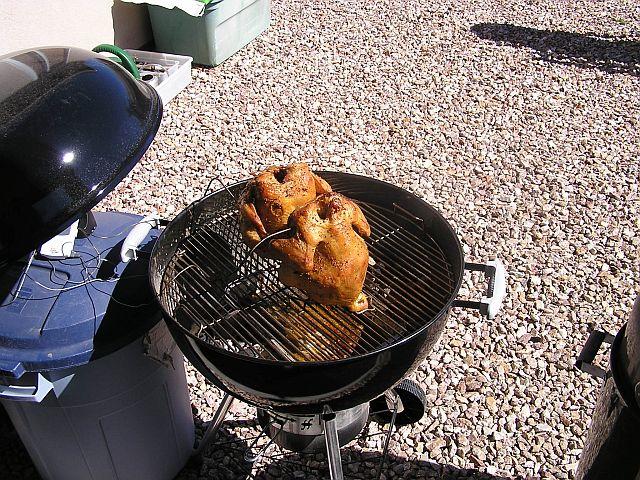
(357, 466)
(224, 460)
(608, 54)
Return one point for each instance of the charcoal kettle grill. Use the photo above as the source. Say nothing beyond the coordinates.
(267, 345)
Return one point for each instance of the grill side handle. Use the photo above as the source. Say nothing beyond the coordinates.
(490, 304)
(589, 352)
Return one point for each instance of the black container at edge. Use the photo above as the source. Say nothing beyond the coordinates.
(612, 446)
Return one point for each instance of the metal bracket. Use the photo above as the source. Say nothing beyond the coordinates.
(589, 352)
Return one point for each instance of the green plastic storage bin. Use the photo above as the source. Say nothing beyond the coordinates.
(225, 27)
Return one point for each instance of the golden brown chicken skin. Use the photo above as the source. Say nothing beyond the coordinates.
(327, 257)
(271, 197)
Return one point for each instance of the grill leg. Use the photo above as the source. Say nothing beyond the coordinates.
(215, 424)
(396, 406)
(333, 444)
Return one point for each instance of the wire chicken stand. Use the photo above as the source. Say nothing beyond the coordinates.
(262, 450)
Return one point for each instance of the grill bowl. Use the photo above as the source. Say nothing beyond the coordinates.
(418, 271)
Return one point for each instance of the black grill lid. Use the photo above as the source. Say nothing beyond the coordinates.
(72, 125)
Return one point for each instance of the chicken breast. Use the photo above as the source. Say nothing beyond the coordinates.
(271, 197)
(327, 257)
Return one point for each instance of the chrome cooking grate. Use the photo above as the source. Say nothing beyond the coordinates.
(245, 309)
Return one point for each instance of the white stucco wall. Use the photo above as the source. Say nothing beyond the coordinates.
(78, 23)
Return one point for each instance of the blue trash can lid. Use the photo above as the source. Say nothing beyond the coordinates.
(58, 314)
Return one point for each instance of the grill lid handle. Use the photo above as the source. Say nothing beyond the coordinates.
(494, 272)
(136, 236)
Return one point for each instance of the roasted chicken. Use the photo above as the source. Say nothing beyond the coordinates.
(327, 256)
(273, 195)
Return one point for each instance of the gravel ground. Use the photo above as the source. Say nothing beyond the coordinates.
(518, 120)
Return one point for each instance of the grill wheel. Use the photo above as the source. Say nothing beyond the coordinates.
(413, 400)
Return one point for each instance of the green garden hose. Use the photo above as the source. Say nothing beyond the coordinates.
(125, 58)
